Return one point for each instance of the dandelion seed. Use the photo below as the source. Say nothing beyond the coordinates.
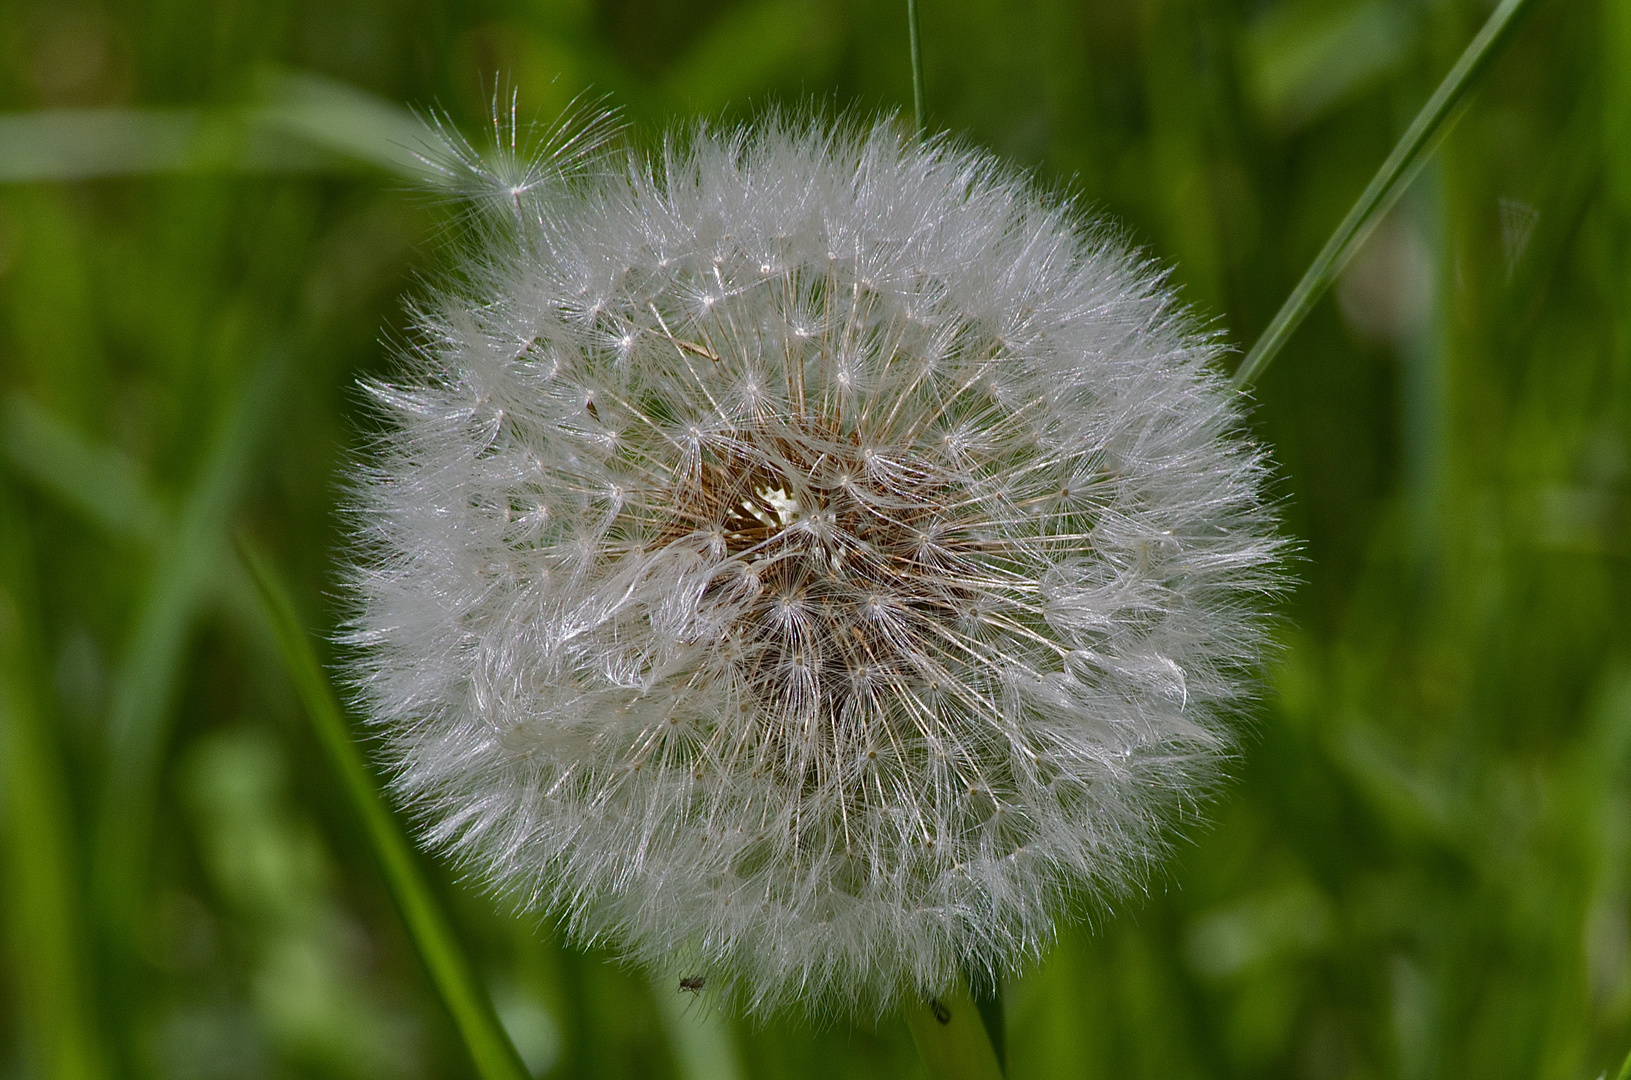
(881, 556)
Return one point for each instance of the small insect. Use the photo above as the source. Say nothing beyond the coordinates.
(941, 1013)
(693, 984)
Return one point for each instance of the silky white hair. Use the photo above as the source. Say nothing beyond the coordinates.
(805, 559)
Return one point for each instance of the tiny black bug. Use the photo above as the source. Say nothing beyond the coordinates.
(693, 984)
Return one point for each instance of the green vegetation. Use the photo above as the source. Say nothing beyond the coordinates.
(1422, 866)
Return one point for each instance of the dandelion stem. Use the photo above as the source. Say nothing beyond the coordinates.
(952, 1039)
(490, 1048)
(920, 112)
(1430, 125)
(987, 996)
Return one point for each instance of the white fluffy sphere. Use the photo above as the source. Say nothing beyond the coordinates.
(808, 560)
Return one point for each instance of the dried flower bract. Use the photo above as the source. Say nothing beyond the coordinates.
(805, 559)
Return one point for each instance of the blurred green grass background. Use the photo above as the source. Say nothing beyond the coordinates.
(1422, 867)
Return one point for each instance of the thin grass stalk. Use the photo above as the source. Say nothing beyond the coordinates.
(1431, 124)
(920, 109)
(490, 1048)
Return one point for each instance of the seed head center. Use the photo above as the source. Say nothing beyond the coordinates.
(830, 586)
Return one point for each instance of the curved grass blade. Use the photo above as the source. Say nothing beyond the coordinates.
(490, 1048)
(353, 124)
(100, 483)
(140, 720)
(1431, 124)
(298, 123)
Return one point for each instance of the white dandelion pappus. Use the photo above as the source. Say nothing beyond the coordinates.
(808, 559)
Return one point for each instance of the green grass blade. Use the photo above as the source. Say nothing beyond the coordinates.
(184, 575)
(53, 145)
(99, 482)
(79, 144)
(42, 901)
(1625, 1069)
(1430, 124)
(952, 1040)
(301, 123)
(490, 1048)
(103, 485)
(920, 111)
(352, 123)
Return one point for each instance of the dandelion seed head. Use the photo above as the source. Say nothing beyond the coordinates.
(805, 557)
